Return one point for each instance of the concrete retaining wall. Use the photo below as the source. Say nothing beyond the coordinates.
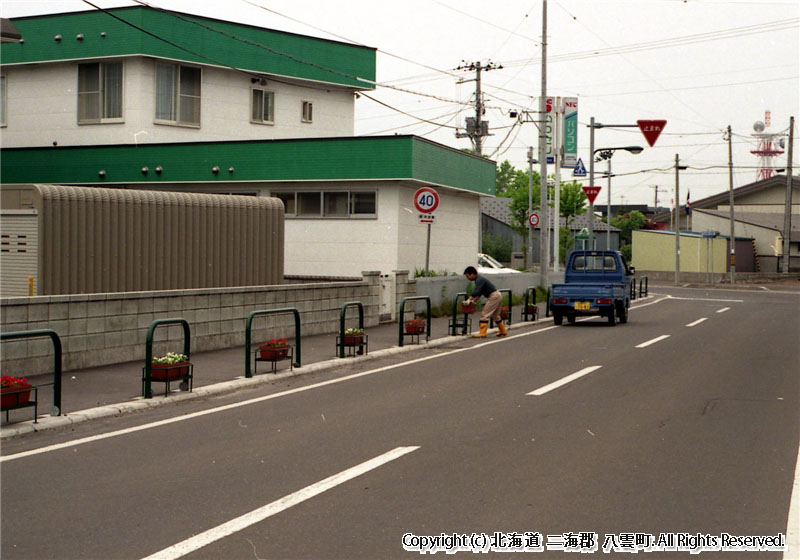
(100, 329)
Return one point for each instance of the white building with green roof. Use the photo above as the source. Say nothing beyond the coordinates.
(148, 99)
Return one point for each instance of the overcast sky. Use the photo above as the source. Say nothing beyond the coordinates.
(699, 64)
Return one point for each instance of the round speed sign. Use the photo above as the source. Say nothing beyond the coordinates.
(426, 200)
(533, 219)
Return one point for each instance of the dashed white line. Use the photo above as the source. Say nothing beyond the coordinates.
(256, 516)
(653, 341)
(697, 322)
(563, 381)
(723, 310)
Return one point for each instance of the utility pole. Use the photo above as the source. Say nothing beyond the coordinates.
(787, 213)
(678, 167)
(476, 127)
(730, 203)
(544, 219)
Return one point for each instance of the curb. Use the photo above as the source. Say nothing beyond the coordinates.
(139, 404)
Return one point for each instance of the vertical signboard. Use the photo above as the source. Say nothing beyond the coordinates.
(549, 128)
(570, 132)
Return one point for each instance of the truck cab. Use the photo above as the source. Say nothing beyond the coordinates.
(595, 283)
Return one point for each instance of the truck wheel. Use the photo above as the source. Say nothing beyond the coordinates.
(612, 317)
(571, 319)
(622, 312)
(558, 318)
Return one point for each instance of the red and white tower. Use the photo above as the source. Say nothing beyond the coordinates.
(769, 146)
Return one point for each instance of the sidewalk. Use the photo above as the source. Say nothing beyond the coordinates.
(116, 389)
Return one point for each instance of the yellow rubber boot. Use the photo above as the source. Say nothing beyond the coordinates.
(484, 328)
(501, 329)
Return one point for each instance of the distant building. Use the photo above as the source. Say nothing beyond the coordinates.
(759, 210)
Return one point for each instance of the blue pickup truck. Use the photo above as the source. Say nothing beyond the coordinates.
(595, 283)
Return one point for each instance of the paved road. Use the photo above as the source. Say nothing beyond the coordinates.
(685, 420)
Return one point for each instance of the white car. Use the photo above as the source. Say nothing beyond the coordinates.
(488, 265)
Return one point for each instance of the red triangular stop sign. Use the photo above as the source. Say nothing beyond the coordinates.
(651, 130)
(591, 193)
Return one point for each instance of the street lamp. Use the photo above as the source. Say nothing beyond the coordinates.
(606, 154)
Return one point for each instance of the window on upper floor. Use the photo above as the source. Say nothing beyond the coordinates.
(99, 92)
(178, 94)
(263, 106)
(308, 115)
(329, 204)
(3, 100)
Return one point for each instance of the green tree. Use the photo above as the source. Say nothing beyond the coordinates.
(627, 223)
(505, 178)
(573, 200)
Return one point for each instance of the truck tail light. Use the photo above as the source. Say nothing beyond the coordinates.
(603, 301)
(559, 300)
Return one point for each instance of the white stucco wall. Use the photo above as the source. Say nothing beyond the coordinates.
(42, 108)
(395, 240)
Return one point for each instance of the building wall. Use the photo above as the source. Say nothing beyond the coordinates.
(454, 233)
(42, 109)
(767, 241)
(655, 251)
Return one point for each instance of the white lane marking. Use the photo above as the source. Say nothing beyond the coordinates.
(697, 322)
(793, 523)
(256, 400)
(563, 381)
(257, 515)
(723, 310)
(704, 299)
(653, 341)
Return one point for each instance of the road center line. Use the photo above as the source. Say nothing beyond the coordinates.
(257, 515)
(653, 341)
(563, 381)
(723, 310)
(697, 322)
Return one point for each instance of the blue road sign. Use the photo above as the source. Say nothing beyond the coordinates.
(580, 170)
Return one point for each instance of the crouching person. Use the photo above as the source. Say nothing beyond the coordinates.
(494, 300)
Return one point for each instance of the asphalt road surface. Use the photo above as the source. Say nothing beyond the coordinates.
(682, 424)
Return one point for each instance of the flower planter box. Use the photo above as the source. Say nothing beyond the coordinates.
(467, 308)
(274, 353)
(15, 397)
(353, 339)
(415, 329)
(504, 312)
(161, 372)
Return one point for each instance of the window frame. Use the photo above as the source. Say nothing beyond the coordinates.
(178, 95)
(264, 93)
(3, 100)
(102, 93)
(292, 204)
(307, 112)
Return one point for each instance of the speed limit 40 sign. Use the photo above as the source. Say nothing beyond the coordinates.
(426, 200)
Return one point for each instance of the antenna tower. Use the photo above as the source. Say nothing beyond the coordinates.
(769, 146)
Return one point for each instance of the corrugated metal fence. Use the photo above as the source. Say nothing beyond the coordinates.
(116, 240)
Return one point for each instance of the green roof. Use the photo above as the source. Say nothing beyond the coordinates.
(315, 159)
(140, 31)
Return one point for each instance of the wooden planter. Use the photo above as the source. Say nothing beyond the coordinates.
(13, 397)
(274, 353)
(169, 371)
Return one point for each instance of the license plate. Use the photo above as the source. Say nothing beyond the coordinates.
(582, 305)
